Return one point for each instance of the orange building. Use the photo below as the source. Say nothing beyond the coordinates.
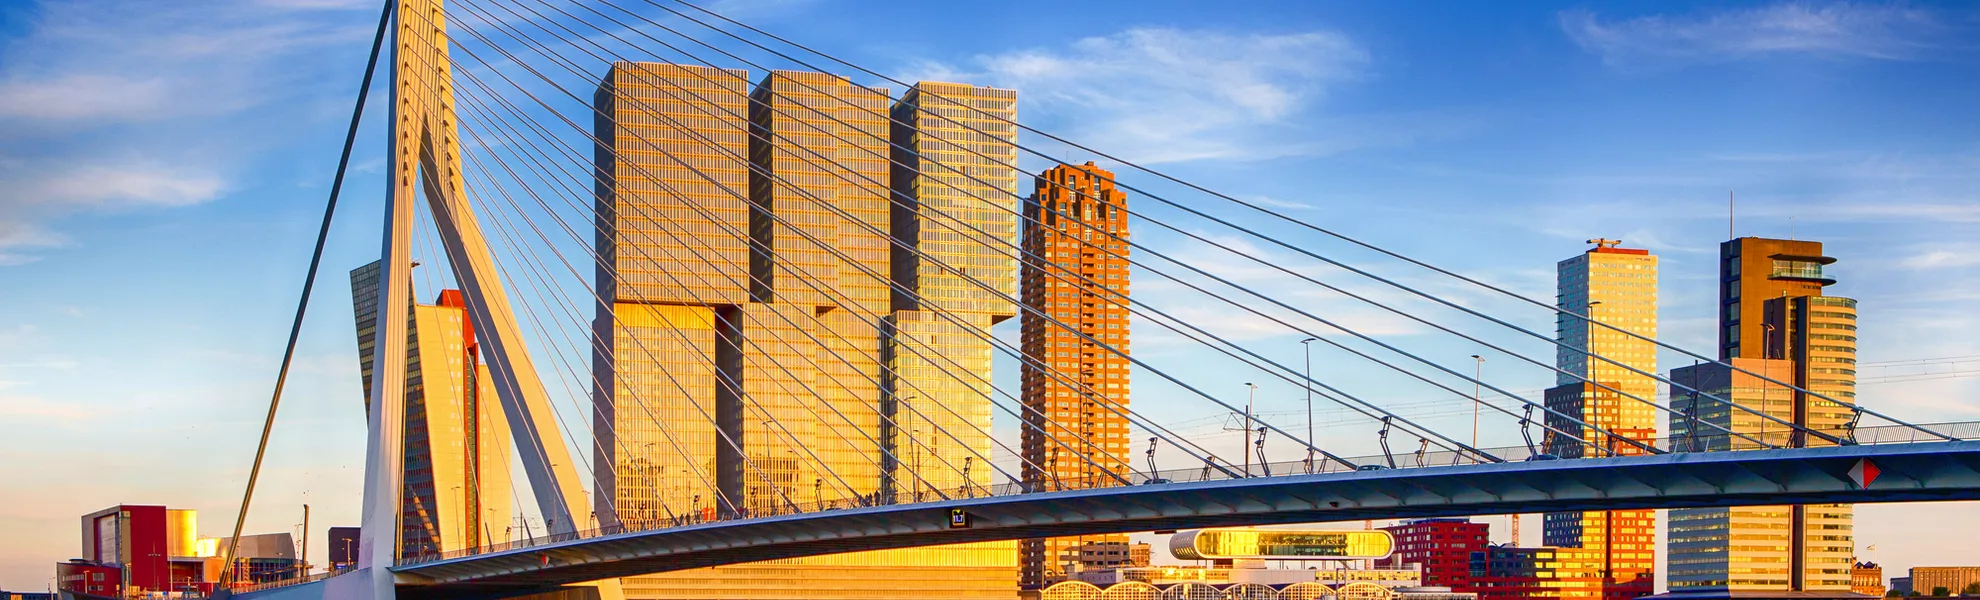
(1075, 383)
(1616, 287)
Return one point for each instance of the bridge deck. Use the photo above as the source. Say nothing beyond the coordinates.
(1910, 472)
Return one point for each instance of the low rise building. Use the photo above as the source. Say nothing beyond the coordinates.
(1928, 580)
(1867, 578)
(1442, 547)
(1543, 573)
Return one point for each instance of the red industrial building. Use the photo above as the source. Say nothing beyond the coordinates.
(1442, 547)
(132, 540)
(130, 550)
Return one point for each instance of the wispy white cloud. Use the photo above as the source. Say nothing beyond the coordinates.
(1277, 203)
(127, 185)
(319, 4)
(99, 99)
(1168, 95)
(1961, 255)
(32, 408)
(81, 96)
(1828, 30)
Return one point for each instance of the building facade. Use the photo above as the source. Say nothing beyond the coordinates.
(1442, 547)
(1074, 281)
(456, 462)
(1955, 580)
(1617, 287)
(752, 352)
(1773, 320)
(1867, 578)
(1546, 573)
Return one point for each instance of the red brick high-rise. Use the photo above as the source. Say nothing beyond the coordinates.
(1075, 385)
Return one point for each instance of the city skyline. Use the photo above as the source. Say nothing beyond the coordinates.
(44, 391)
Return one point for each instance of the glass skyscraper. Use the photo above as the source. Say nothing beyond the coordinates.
(1618, 287)
(456, 462)
(1773, 320)
(750, 357)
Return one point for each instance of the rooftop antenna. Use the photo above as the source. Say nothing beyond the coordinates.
(1605, 242)
(1730, 216)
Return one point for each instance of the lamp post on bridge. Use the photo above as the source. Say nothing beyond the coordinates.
(1250, 395)
(1307, 344)
(1477, 395)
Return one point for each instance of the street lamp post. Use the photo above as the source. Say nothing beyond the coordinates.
(1307, 344)
(1477, 395)
(1252, 394)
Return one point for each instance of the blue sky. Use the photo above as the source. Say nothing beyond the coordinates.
(164, 166)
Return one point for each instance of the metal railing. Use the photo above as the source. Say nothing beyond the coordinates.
(1569, 449)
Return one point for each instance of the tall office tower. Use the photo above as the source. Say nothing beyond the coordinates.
(818, 224)
(672, 219)
(1773, 321)
(953, 225)
(767, 292)
(954, 230)
(1075, 275)
(1617, 287)
(456, 460)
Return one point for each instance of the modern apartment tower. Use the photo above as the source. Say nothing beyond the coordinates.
(1617, 287)
(1074, 276)
(1773, 321)
(457, 493)
(749, 357)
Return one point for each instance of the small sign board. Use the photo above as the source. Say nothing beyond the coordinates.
(958, 519)
(1863, 473)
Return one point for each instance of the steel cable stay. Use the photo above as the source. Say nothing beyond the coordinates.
(579, 128)
(814, 285)
(1301, 276)
(1110, 252)
(979, 282)
(986, 382)
(559, 416)
(1274, 241)
(979, 234)
(539, 281)
(432, 182)
(787, 433)
(309, 285)
(503, 227)
(723, 497)
(790, 323)
(421, 241)
(704, 259)
(1255, 259)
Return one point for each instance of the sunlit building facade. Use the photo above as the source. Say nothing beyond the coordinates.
(1546, 573)
(750, 359)
(457, 493)
(1074, 280)
(1613, 286)
(1440, 547)
(1775, 321)
(672, 215)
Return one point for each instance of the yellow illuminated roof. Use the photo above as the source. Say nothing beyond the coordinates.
(1285, 544)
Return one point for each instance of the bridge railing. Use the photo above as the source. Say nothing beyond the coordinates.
(1421, 458)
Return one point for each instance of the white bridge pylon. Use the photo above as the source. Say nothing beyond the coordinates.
(425, 157)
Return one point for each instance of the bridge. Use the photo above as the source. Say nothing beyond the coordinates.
(777, 299)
